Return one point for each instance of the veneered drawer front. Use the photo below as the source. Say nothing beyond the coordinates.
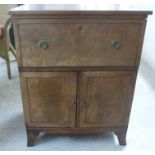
(79, 44)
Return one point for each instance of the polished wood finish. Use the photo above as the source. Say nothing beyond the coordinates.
(104, 98)
(121, 134)
(31, 136)
(78, 66)
(83, 44)
(79, 10)
(73, 69)
(49, 101)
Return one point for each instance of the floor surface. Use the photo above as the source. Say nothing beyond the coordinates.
(141, 131)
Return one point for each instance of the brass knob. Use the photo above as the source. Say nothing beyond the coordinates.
(42, 44)
(82, 103)
(73, 103)
(115, 44)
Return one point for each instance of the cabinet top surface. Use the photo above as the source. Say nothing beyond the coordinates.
(47, 9)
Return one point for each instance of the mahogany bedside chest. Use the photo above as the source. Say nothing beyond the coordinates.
(77, 67)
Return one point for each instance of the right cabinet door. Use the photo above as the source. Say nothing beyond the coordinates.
(105, 98)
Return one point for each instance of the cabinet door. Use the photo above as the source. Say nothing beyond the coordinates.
(49, 98)
(105, 98)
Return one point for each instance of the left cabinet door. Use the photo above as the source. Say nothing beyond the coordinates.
(49, 98)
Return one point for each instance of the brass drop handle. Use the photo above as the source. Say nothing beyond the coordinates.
(42, 44)
(116, 44)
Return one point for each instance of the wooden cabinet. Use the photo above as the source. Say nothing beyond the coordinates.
(77, 67)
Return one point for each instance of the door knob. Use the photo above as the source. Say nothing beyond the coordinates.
(73, 103)
(42, 44)
(115, 44)
(82, 103)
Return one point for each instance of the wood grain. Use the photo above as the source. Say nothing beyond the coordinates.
(105, 96)
(48, 100)
(77, 11)
(79, 44)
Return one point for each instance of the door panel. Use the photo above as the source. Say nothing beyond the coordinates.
(105, 98)
(50, 98)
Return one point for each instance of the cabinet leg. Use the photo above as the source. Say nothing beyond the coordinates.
(31, 136)
(121, 135)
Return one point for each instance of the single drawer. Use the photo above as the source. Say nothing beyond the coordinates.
(103, 44)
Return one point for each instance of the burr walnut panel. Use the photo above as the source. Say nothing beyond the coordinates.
(79, 44)
(50, 102)
(105, 97)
